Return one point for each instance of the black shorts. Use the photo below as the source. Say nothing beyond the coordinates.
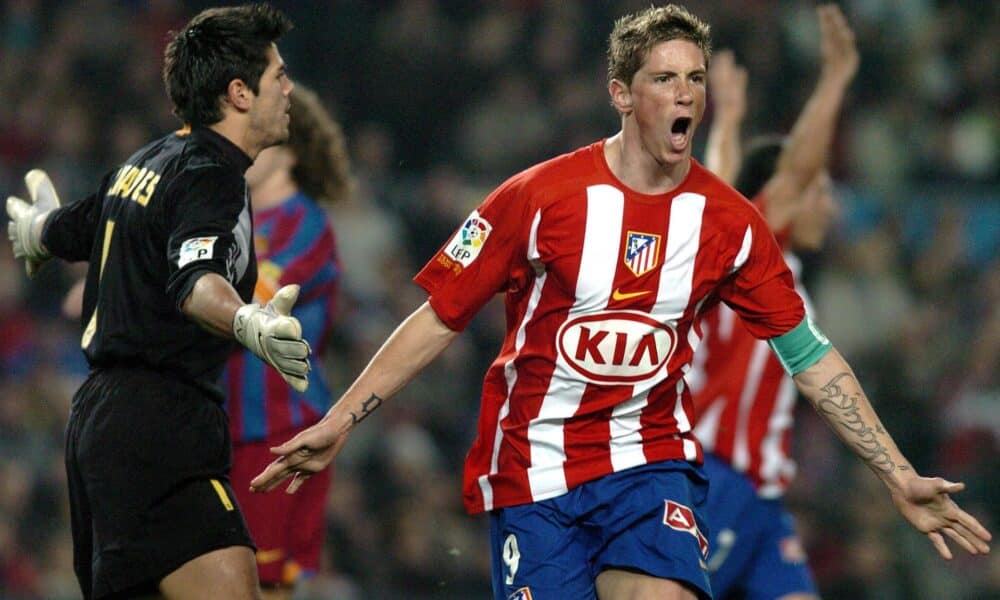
(147, 460)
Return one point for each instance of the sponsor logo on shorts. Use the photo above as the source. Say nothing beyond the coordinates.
(520, 594)
(680, 517)
(792, 551)
(469, 240)
(194, 249)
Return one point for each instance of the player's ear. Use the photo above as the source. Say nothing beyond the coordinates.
(621, 96)
(239, 95)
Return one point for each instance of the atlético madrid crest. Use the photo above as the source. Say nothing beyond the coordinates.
(642, 252)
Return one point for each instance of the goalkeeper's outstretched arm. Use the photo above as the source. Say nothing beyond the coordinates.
(269, 331)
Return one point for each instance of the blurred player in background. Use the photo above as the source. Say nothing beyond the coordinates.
(289, 186)
(743, 398)
(585, 456)
(167, 236)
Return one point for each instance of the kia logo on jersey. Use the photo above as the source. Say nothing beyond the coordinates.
(616, 346)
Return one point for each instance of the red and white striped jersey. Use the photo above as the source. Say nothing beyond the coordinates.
(602, 288)
(743, 398)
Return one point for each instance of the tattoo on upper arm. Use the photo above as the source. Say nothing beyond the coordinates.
(367, 408)
(844, 408)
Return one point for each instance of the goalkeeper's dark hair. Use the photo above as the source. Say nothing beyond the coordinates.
(760, 160)
(322, 166)
(217, 46)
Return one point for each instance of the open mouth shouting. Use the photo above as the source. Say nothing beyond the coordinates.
(680, 133)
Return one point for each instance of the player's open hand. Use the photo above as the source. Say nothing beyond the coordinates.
(926, 503)
(837, 44)
(311, 451)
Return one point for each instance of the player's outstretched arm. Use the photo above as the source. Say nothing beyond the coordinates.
(835, 393)
(727, 87)
(808, 147)
(269, 331)
(27, 219)
(414, 344)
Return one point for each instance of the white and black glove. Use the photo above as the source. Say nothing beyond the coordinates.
(27, 219)
(275, 336)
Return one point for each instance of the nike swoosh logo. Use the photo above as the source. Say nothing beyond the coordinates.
(618, 296)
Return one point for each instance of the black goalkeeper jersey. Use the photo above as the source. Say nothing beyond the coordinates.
(178, 209)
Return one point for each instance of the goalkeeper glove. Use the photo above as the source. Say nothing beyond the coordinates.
(26, 220)
(275, 336)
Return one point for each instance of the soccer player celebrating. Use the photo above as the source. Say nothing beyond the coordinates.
(294, 243)
(585, 457)
(171, 266)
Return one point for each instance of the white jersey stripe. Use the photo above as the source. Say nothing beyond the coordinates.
(683, 423)
(510, 372)
(690, 449)
(694, 340)
(626, 433)
(707, 428)
(598, 261)
(741, 450)
(683, 240)
(773, 460)
(744, 253)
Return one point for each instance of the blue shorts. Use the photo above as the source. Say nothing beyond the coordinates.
(755, 551)
(644, 519)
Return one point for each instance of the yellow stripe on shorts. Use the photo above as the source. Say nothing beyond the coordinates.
(221, 491)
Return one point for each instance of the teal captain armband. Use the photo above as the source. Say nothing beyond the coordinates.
(801, 347)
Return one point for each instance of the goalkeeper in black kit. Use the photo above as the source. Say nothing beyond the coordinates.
(168, 236)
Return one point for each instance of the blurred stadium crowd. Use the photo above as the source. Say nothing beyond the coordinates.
(442, 100)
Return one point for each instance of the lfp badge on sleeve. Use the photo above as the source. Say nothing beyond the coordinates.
(200, 248)
(469, 240)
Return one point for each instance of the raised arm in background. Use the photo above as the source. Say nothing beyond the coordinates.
(807, 147)
(727, 86)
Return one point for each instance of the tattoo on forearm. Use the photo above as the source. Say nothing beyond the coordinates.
(367, 408)
(844, 408)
